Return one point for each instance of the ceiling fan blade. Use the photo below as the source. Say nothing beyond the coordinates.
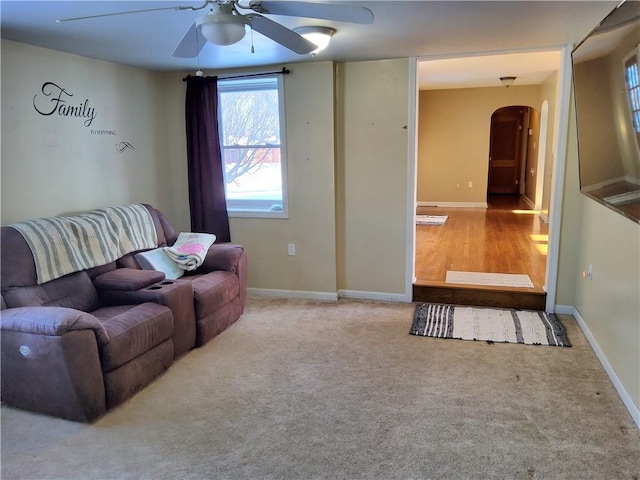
(325, 11)
(191, 44)
(282, 35)
(128, 12)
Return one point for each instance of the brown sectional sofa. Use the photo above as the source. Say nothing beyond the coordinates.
(83, 343)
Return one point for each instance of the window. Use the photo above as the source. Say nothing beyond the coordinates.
(632, 78)
(253, 146)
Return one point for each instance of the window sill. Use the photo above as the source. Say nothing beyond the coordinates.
(256, 214)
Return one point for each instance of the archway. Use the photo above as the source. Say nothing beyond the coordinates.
(514, 152)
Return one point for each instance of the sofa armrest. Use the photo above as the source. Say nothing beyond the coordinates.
(177, 295)
(221, 256)
(51, 363)
(230, 258)
(51, 321)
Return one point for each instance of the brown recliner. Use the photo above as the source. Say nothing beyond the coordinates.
(66, 354)
(83, 343)
(219, 285)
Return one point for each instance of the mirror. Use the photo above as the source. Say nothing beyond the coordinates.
(607, 98)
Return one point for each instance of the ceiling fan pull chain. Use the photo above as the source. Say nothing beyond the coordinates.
(251, 29)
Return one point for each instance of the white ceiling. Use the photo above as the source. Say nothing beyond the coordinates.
(529, 68)
(401, 29)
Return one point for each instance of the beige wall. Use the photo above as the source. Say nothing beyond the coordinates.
(173, 119)
(355, 199)
(572, 213)
(591, 234)
(347, 158)
(311, 173)
(53, 164)
(548, 93)
(69, 169)
(610, 303)
(453, 140)
(311, 189)
(372, 106)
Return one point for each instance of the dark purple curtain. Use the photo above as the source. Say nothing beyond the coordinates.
(206, 177)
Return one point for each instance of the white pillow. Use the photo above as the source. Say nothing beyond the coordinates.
(158, 260)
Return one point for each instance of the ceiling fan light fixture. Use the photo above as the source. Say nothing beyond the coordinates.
(507, 81)
(222, 28)
(320, 36)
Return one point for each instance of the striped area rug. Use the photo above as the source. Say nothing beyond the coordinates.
(488, 324)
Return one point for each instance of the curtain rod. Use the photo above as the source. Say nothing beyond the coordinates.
(284, 71)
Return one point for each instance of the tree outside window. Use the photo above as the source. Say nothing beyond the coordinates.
(252, 144)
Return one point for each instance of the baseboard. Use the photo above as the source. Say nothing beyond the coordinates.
(532, 205)
(328, 296)
(544, 218)
(387, 297)
(564, 309)
(626, 398)
(270, 292)
(453, 204)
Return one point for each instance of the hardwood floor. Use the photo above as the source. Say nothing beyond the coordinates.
(507, 237)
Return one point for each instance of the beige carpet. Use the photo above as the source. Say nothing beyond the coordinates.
(300, 389)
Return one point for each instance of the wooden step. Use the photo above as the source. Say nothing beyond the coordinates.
(480, 296)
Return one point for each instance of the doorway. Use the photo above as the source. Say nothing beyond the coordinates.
(551, 183)
(507, 145)
(517, 151)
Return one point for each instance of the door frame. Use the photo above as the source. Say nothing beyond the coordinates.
(561, 126)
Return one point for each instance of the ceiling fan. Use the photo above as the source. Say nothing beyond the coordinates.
(224, 24)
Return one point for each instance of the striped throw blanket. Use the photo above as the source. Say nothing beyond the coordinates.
(63, 245)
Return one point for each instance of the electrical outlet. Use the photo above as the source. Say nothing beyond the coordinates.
(291, 249)
(470, 184)
(457, 185)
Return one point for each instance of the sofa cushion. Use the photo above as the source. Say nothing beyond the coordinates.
(18, 268)
(170, 234)
(71, 291)
(212, 290)
(157, 222)
(122, 383)
(128, 261)
(97, 271)
(132, 330)
(127, 279)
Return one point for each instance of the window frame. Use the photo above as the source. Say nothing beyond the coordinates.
(635, 124)
(252, 208)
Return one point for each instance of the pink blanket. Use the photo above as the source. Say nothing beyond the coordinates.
(190, 249)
